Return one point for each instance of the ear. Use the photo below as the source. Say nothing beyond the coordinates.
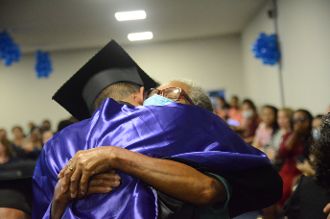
(139, 96)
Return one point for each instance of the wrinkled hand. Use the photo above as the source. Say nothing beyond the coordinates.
(101, 183)
(82, 166)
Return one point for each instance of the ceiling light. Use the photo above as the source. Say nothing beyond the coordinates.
(140, 36)
(130, 15)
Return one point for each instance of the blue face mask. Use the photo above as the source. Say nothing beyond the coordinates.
(316, 134)
(157, 100)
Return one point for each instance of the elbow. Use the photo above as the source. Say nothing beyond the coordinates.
(213, 192)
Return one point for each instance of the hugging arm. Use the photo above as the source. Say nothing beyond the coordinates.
(172, 178)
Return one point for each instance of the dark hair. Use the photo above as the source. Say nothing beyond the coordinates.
(308, 138)
(318, 116)
(250, 103)
(309, 117)
(17, 127)
(321, 151)
(118, 91)
(7, 146)
(275, 110)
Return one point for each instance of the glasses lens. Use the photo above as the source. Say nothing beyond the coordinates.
(172, 93)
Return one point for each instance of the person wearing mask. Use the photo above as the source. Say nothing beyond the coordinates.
(235, 111)
(316, 127)
(219, 106)
(295, 147)
(144, 127)
(249, 122)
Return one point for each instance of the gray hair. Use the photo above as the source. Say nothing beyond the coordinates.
(197, 95)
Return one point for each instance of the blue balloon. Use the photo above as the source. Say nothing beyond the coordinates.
(43, 65)
(9, 50)
(266, 49)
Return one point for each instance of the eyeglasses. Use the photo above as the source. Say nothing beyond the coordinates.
(173, 93)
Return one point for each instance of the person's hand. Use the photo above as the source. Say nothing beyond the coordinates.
(82, 166)
(326, 210)
(306, 168)
(101, 183)
(60, 200)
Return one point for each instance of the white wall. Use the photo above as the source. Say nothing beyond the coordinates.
(304, 29)
(213, 63)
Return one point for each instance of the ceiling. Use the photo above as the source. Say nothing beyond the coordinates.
(71, 24)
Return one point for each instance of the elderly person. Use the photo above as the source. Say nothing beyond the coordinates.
(151, 133)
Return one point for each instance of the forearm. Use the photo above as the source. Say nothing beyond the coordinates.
(172, 178)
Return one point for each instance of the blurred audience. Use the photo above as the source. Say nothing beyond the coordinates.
(313, 193)
(295, 148)
(285, 136)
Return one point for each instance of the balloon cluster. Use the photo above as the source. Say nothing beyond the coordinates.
(9, 50)
(266, 48)
(43, 65)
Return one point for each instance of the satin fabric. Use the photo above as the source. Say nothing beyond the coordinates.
(185, 133)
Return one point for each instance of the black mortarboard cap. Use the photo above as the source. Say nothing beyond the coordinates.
(110, 65)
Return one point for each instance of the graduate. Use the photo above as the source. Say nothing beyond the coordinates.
(184, 134)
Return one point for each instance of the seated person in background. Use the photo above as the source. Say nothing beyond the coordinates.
(18, 141)
(219, 106)
(313, 193)
(171, 132)
(316, 124)
(5, 152)
(250, 121)
(16, 189)
(284, 121)
(267, 127)
(235, 110)
(33, 145)
(19, 136)
(295, 146)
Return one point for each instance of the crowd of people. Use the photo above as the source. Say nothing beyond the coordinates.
(285, 135)
(27, 145)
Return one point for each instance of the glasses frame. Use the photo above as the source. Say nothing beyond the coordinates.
(181, 92)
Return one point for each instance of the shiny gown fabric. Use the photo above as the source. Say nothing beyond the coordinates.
(185, 133)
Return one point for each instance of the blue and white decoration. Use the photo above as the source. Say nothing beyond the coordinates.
(266, 49)
(43, 65)
(9, 50)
